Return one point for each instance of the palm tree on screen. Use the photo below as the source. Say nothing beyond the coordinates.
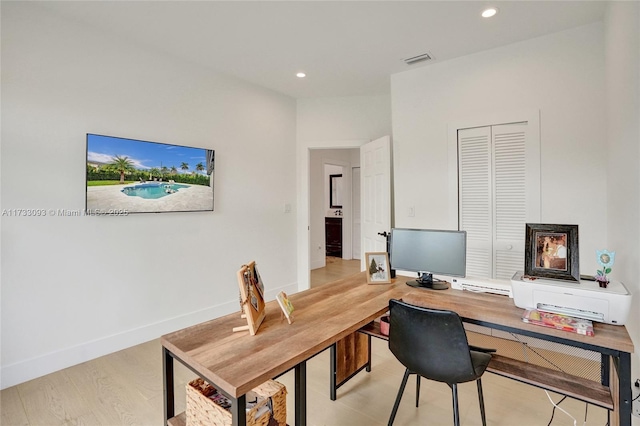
(184, 166)
(122, 165)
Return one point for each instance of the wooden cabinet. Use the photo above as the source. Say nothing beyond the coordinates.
(333, 236)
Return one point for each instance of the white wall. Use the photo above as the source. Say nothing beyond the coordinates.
(74, 288)
(562, 76)
(336, 119)
(622, 42)
(329, 123)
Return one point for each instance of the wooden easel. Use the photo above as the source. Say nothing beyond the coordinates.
(251, 298)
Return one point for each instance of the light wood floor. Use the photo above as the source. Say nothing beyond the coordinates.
(336, 268)
(125, 388)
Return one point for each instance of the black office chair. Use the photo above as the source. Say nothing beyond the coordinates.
(433, 344)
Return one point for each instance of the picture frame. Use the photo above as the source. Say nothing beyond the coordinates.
(286, 306)
(551, 251)
(378, 268)
(335, 191)
(252, 302)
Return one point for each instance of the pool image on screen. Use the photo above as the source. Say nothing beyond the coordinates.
(134, 176)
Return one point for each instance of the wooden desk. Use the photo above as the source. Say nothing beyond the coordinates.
(499, 312)
(237, 362)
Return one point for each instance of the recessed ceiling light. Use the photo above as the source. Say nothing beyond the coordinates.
(301, 75)
(488, 13)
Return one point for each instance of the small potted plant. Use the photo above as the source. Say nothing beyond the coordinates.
(605, 259)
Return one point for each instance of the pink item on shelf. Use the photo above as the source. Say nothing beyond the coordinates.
(384, 325)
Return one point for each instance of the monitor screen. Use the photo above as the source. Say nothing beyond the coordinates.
(429, 251)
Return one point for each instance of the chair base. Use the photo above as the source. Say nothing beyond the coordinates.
(454, 395)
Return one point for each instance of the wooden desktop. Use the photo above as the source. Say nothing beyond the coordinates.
(331, 316)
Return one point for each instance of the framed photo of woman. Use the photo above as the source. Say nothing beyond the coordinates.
(551, 251)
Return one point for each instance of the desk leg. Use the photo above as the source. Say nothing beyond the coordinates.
(605, 367)
(624, 388)
(167, 379)
(239, 411)
(369, 353)
(301, 394)
(333, 366)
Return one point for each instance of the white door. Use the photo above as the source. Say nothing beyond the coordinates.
(375, 170)
(355, 228)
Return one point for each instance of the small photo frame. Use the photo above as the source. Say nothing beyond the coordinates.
(551, 251)
(285, 305)
(377, 267)
(251, 297)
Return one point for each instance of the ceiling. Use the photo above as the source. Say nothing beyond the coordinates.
(346, 48)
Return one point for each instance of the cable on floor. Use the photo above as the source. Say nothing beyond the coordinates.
(575, 422)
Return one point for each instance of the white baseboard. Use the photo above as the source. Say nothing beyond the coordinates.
(35, 367)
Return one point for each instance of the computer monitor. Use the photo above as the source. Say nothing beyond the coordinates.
(428, 252)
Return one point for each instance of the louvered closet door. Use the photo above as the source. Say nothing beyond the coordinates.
(510, 209)
(492, 198)
(475, 195)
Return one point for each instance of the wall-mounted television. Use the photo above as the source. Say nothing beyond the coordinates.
(134, 176)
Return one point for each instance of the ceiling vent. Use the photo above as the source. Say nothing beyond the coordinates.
(416, 59)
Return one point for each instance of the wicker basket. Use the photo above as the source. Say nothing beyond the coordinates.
(202, 411)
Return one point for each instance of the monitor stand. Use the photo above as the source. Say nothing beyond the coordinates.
(425, 280)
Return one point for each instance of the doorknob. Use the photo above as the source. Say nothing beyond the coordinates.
(384, 234)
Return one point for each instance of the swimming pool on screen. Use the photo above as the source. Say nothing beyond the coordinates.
(152, 190)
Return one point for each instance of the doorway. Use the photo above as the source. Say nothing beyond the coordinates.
(331, 204)
(377, 163)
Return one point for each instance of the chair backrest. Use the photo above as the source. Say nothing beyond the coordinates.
(430, 342)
